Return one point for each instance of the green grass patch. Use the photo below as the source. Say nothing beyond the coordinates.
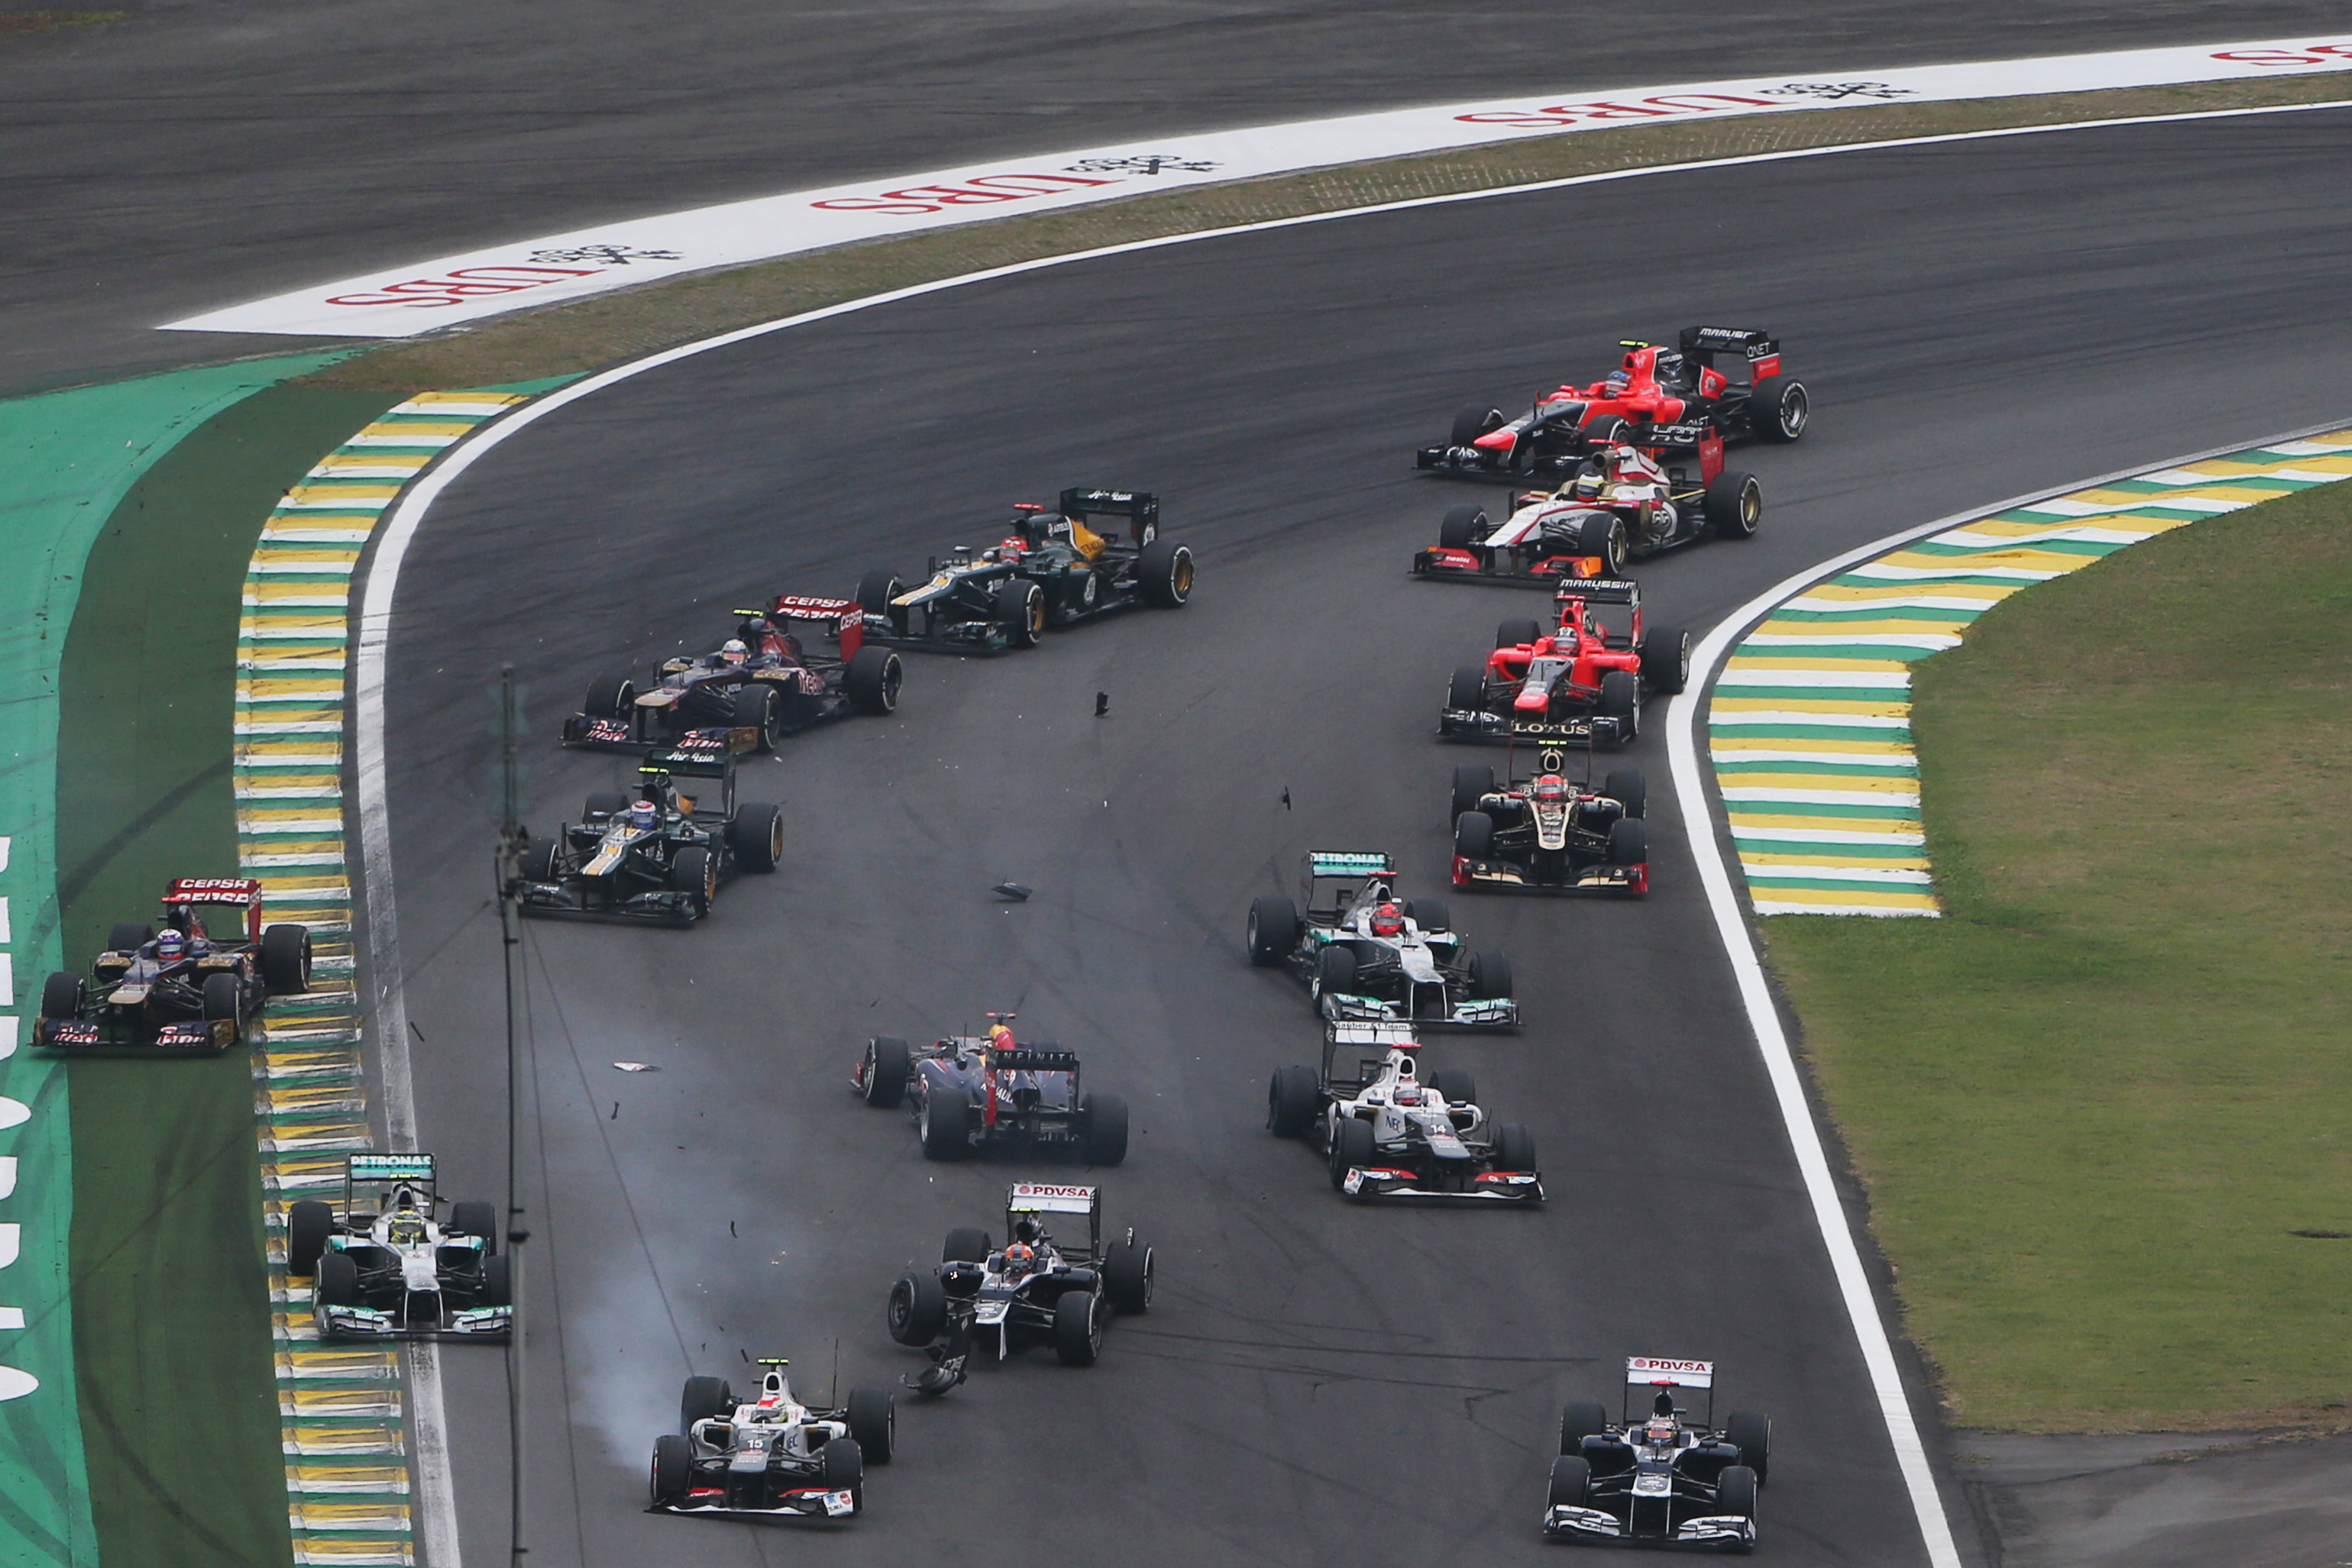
(20, 24)
(2102, 1106)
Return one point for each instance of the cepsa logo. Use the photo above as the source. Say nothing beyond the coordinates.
(459, 284)
(2306, 55)
(913, 201)
(1663, 106)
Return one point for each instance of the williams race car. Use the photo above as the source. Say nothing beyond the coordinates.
(1621, 504)
(762, 685)
(1369, 957)
(1549, 834)
(181, 988)
(1387, 1132)
(1582, 680)
(1035, 1289)
(387, 1267)
(1659, 1477)
(1050, 570)
(1657, 397)
(661, 856)
(769, 1455)
(979, 1093)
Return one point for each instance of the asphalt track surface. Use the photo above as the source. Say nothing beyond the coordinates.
(207, 151)
(1318, 1383)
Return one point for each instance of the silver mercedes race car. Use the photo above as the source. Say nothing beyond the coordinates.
(769, 1455)
(1388, 1132)
(1367, 955)
(388, 1265)
(1658, 1476)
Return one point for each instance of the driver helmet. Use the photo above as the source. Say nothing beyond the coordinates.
(171, 944)
(1388, 921)
(645, 816)
(1551, 789)
(733, 651)
(1587, 484)
(1660, 1432)
(407, 1227)
(1019, 1258)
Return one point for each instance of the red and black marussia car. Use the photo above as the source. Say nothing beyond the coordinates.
(1658, 397)
(1582, 680)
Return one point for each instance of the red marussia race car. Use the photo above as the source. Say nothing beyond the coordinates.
(1657, 396)
(1582, 680)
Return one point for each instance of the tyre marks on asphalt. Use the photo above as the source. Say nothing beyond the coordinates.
(341, 1408)
(1809, 723)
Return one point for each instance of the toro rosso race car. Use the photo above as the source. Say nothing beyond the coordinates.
(1621, 504)
(1034, 1290)
(769, 1455)
(1655, 1476)
(661, 856)
(762, 685)
(1549, 834)
(1582, 680)
(1367, 956)
(388, 1268)
(979, 1093)
(1387, 1132)
(1656, 396)
(1052, 569)
(182, 987)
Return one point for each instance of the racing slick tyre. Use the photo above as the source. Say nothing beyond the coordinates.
(882, 1076)
(1106, 1134)
(1466, 692)
(129, 936)
(1335, 972)
(604, 803)
(286, 960)
(1606, 428)
(1078, 1327)
(1429, 914)
(1734, 505)
(1163, 574)
(1665, 659)
(759, 708)
(1629, 842)
(1581, 1419)
(1461, 526)
(1514, 1148)
(1473, 835)
(498, 1281)
(672, 1469)
(537, 863)
(965, 1244)
(875, 591)
(476, 1218)
(1620, 698)
(944, 1124)
(61, 996)
(1472, 782)
(338, 1281)
(874, 1423)
(1571, 1482)
(223, 999)
(757, 835)
(1472, 421)
(1352, 1149)
(1020, 611)
(1603, 533)
(1291, 1097)
(1490, 974)
(1458, 1085)
(917, 1309)
(872, 681)
(308, 1222)
(1127, 1277)
(610, 697)
(841, 1464)
(1751, 1434)
(1625, 787)
(1735, 1491)
(1273, 930)
(694, 873)
(1777, 409)
(703, 1399)
(1517, 633)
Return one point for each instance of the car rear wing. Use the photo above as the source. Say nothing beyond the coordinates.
(369, 1170)
(1599, 591)
(1661, 1372)
(841, 618)
(238, 892)
(1373, 1042)
(697, 759)
(1323, 863)
(1080, 502)
(1052, 1197)
(1027, 1059)
(1762, 350)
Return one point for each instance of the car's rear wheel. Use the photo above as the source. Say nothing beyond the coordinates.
(1458, 1085)
(475, 1218)
(759, 708)
(1735, 1491)
(757, 835)
(1571, 1482)
(1603, 533)
(944, 1124)
(1751, 1433)
(695, 874)
(1163, 574)
(883, 1074)
(1351, 1147)
(1665, 658)
(1579, 1419)
(1777, 409)
(873, 1418)
(1127, 1277)
(308, 1224)
(61, 996)
(223, 999)
(1020, 611)
(1291, 1099)
(1472, 782)
(1490, 974)
(1627, 788)
(918, 1309)
(1471, 421)
(842, 1463)
(965, 1244)
(672, 1469)
(1514, 1148)
(1335, 972)
(1273, 930)
(610, 697)
(1473, 835)
(129, 936)
(1734, 505)
(1466, 692)
(703, 1399)
(286, 960)
(336, 1281)
(1629, 842)
(873, 678)
(1106, 1134)
(1461, 526)
(1078, 1327)
(1620, 698)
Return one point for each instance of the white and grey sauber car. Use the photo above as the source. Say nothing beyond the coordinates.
(1658, 1476)
(770, 1455)
(1369, 956)
(1388, 1132)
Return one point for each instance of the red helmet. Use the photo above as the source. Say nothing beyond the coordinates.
(1551, 789)
(1020, 1258)
(1388, 921)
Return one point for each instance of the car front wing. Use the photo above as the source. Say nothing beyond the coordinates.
(367, 1323)
(1372, 1183)
(796, 1502)
(1472, 1012)
(1480, 724)
(1509, 876)
(1562, 1521)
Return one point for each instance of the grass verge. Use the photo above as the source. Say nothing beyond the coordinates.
(2104, 1108)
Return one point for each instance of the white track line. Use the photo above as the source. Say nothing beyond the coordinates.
(438, 1527)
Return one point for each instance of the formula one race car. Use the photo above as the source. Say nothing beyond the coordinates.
(969, 1093)
(1387, 1132)
(1550, 834)
(1035, 1289)
(1657, 397)
(1051, 570)
(762, 685)
(1621, 504)
(182, 987)
(386, 1268)
(660, 856)
(1659, 1477)
(1365, 955)
(1582, 680)
(771, 1455)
